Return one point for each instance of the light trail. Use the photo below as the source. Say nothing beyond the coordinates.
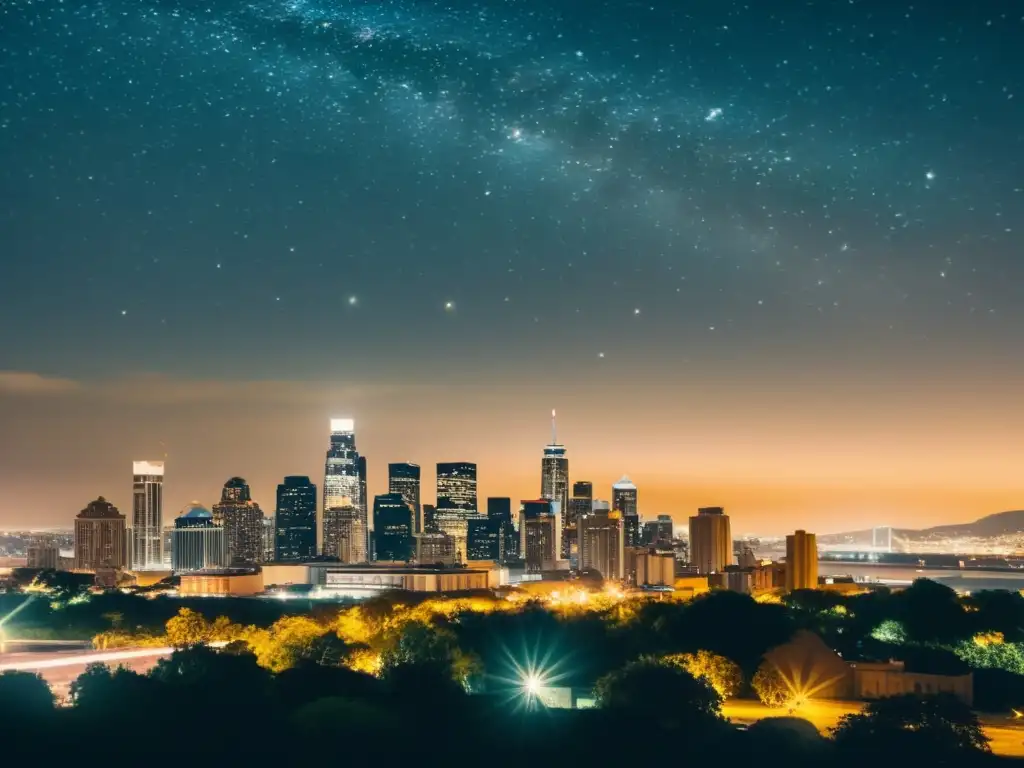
(102, 657)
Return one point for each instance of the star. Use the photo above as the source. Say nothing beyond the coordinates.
(449, 306)
(930, 175)
(352, 301)
(636, 311)
(600, 355)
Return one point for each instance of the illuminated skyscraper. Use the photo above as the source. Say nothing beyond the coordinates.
(242, 521)
(710, 541)
(342, 484)
(147, 515)
(624, 500)
(100, 537)
(392, 528)
(456, 488)
(404, 479)
(554, 470)
(295, 520)
(580, 503)
(801, 561)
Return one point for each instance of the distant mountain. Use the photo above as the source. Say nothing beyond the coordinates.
(999, 524)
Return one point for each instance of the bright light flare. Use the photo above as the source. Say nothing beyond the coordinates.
(533, 684)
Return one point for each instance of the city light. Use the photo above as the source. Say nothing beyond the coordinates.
(532, 684)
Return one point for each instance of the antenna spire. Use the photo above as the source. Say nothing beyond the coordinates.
(554, 430)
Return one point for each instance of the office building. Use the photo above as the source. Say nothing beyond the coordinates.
(583, 489)
(43, 555)
(429, 513)
(456, 488)
(601, 542)
(269, 532)
(580, 503)
(242, 521)
(167, 541)
(455, 524)
(101, 537)
(196, 542)
(881, 538)
(347, 541)
(801, 561)
(655, 569)
(343, 485)
(435, 548)
(295, 520)
(364, 499)
(500, 508)
(539, 535)
(710, 541)
(485, 539)
(658, 533)
(624, 500)
(147, 515)
(404, 479)
(392, 528)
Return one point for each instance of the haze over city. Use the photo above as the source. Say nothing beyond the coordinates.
(762, 256)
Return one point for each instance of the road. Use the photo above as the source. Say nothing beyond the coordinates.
(60, 667)
(1006, 737)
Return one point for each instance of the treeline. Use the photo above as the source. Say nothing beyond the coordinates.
(224, 707)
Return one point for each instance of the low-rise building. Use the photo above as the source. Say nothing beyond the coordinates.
(222, 583)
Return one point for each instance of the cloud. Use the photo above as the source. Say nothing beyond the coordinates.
(163, 390)
(25, 383)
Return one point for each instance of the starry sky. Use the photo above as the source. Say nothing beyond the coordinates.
(766, 254)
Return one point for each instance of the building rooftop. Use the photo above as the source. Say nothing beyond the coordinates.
(625, 483)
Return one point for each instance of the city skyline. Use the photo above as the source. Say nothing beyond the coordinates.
(656, 496)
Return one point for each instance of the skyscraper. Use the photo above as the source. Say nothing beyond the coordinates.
(295, 520)
(580, 504)
(348, 538)
(242, 521)
(624, 500)
(539, 534)
(100, 537)
(601, 543)
(801, 561)
(392, 528)
(147, 515)
(554, 471)
(364, 499)
(485, 539)
(710, 540)
(342, 483)
(500, 508)
(404, 479)
(456, 487)
(197, 543)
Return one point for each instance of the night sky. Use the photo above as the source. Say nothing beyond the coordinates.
(766, 255)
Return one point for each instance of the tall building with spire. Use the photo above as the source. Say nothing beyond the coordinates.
(554, 472)
(147, 515)
(342, 485)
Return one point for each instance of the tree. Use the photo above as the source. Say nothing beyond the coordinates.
(24, 695)
(720, 673)
(932, 728)
(653, 686)
(932, 613)
(769, 686)
(188, 628)
(200, 668)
